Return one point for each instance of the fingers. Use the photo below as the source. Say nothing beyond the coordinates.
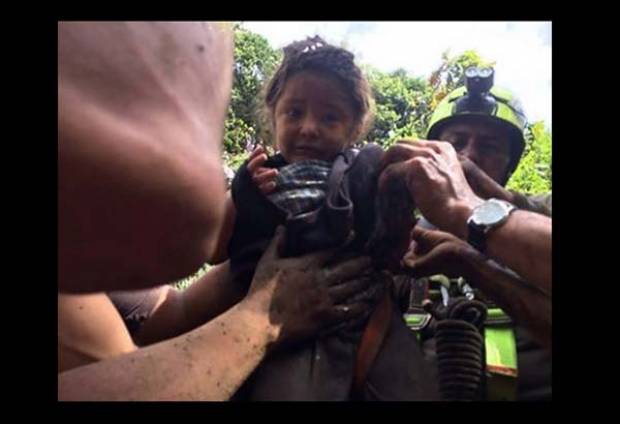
(465, 161)
(342, 315)
(264, 175)
(427, 260)
(347, 270)
(470, 169)
(427, 239)
(350, 324)
(453, 259)
(257, 151)
(438, 147)
(318, 259)
(340, 292)
(426, 265)
(416, 149)
(410, 255)
(256, 163)
(256, 160)
(267, 187)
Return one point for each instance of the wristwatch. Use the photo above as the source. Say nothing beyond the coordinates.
(491, 214)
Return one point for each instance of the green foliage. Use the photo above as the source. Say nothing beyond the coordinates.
(255, 61)
(533, 175)
(401, 105)
(184, 283)
(404, 104)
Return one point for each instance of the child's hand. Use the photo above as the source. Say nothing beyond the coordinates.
(262, 177)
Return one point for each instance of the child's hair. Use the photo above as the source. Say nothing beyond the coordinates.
(314, 54)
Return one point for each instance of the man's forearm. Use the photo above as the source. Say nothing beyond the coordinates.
(522, 243)
(524, 302)
(526, 203)
(209, 363)
(184, 310)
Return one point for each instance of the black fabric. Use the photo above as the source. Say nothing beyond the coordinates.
(322, 369)
(534, 364)
(328, 226)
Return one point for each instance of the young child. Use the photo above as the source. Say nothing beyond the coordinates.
(317, 104)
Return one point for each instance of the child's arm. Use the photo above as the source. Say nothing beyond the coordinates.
(264, 179)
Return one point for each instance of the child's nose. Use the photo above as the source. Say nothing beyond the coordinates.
(309, 127)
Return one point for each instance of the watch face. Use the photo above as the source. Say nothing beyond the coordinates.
(489, 213)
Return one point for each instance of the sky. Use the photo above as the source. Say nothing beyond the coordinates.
(521, 50)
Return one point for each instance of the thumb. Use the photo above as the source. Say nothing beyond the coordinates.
(425, 265)
(428, 239)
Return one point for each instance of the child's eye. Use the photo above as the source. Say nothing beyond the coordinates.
(293, 113)
(330, 118)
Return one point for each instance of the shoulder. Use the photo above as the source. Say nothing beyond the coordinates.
(89, 329)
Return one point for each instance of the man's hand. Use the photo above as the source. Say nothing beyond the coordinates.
(438, 185)
(436, 252)
(483, 185)
(303, 295)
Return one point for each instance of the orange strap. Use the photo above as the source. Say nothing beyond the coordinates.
(371, 342)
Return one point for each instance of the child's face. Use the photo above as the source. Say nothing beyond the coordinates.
(313, 118)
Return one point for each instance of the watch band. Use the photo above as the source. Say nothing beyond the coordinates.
(477, 233)
(476, 236)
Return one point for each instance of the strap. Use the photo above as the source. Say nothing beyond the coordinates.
(371, 342)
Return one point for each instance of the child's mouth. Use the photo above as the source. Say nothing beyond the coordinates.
(306, 150)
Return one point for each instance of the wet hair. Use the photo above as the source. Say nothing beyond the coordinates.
(314, 54)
